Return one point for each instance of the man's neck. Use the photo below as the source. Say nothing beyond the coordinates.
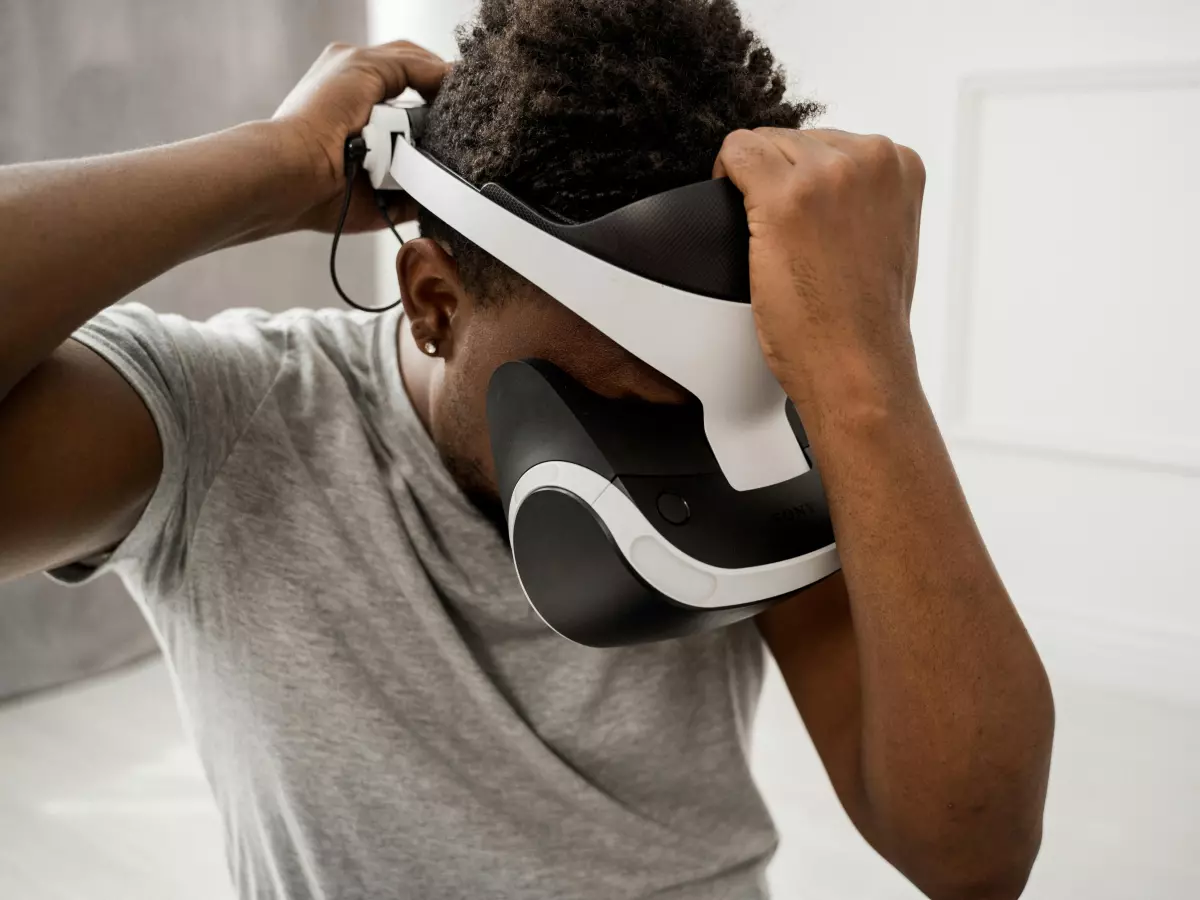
(416, 378)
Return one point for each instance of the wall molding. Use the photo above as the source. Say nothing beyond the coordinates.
(1176, 457)
(1121, 76)
(1129, 656)
(1013, 439)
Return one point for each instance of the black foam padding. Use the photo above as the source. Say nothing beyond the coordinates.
(537, 413)
(580, 584)
(531, 422)
(694, 238)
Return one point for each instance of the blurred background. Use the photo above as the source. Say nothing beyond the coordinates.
(1056, 317)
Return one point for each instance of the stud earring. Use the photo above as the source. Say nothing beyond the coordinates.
(430, 348)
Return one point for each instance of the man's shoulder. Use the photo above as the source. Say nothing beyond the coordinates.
(333, 329)
(317, 361)
(218, 372)
(301, 328)
(303, 344)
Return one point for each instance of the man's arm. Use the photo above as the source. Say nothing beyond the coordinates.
(923, 693)
(79, 454)
(79, 235)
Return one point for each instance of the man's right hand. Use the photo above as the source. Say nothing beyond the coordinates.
(334, 101)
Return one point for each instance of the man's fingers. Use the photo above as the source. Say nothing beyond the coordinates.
(877, 152)
(790, 141)
(405, 45)
(751, 161)
(834, 137)
(806, 148)
(405, 65)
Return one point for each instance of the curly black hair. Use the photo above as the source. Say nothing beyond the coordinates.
(580, 107)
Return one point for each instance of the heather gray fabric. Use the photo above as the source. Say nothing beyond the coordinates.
(379, 712)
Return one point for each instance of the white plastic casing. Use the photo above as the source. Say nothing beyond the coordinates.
(659, 563)
(708, 346)
(387, 119)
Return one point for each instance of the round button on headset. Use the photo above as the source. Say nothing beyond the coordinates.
(674, 509)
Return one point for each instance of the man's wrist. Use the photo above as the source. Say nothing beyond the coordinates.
(287, 182)
(855, 393)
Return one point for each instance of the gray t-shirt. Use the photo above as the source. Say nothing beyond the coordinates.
(378, 710)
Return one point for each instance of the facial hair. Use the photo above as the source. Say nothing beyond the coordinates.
(468, 475)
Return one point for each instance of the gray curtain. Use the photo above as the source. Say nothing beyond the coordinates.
(81, 77)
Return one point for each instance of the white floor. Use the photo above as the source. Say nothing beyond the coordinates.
(101, 798)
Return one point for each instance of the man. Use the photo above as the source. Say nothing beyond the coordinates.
(304, 504)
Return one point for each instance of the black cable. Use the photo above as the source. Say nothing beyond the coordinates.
(356, 151)
(387, 217)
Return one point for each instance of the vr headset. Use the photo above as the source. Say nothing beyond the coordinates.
(630, 521)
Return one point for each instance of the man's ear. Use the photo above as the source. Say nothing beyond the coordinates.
(431, 292)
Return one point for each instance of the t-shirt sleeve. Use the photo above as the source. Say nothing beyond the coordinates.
(202, 383)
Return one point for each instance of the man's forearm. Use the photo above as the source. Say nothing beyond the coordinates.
(957, 716)
(78, 236)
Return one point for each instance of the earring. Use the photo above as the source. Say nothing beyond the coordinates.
(430, 348)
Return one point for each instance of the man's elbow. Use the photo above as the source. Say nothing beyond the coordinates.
(978, 852)
(1007, 885)
(974, 832)
(989, 854)
(1000, 873)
